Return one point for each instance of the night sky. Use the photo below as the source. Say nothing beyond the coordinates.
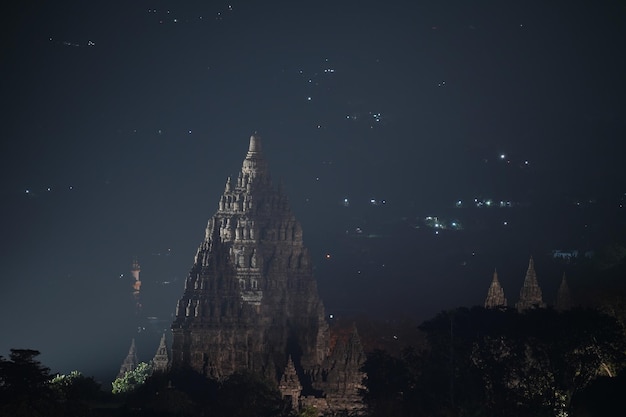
(121, 121)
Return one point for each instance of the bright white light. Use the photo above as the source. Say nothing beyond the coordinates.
(502, 156)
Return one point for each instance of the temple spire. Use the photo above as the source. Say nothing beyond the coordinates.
(530, 295)
(161, 360)
(563, 296)
(255, 144)
(289, 385)
(254, 165)
(495, 294)
(130, 362)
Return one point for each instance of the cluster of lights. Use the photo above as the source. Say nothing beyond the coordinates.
(436, 223)
(478, 202)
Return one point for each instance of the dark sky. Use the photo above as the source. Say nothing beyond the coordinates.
(122, 120)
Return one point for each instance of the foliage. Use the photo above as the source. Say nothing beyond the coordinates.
(75, 388)
(496, 362)
(530, 363)
(131, 380)
(24, 388)
(246, 394)
(159, 397)
(308, 411)
(386, 382)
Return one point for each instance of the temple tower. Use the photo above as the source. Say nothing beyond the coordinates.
(130, 362)
(250, 299)
(289, 385)
(530, 294)
(563, 296)
(495, 295)
(161, 360)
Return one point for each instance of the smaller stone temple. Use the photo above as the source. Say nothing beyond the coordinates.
(563, 297)
(161, 360)
(130, 362)
(290, 386)
(530, 295)
(495, 295)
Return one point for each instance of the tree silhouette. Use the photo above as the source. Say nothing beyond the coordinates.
(24, 387)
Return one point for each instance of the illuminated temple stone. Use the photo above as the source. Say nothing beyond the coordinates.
(495, 295)
(530, 295)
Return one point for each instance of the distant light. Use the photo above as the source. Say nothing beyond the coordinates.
(189, 132)
(27, 191)
(502, 156)
(49, 189)
(308, 98)
(331, 316)
(505, 223)
(328, 256)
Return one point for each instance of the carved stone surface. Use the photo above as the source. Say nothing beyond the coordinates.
(495, 295)
(130, 362)
(161, 360)
(289, 385)
(530, 295)
(250, 299)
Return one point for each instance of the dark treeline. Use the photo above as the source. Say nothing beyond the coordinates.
(477, 362)
(495, 362)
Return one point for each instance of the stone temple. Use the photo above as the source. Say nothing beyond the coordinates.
(251, 301)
